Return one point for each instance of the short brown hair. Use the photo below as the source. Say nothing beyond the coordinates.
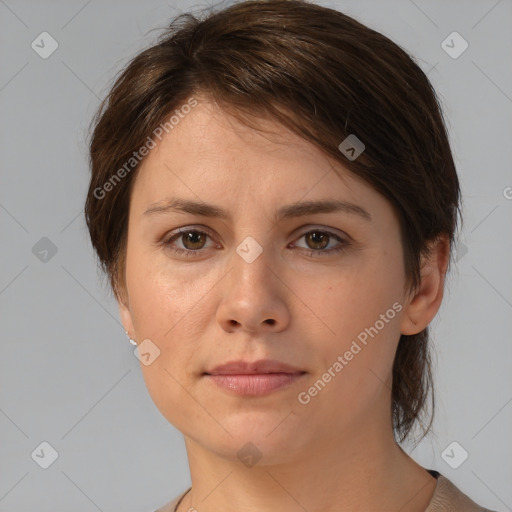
(323, 75)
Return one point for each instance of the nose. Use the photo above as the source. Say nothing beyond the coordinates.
(254, 296)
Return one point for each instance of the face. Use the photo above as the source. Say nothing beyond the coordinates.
(320, 290)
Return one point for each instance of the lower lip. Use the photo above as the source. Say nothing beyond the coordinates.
(255, 384)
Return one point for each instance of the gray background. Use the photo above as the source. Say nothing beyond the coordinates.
(67, 372)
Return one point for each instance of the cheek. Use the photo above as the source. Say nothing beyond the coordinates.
(159, 313)
(366, 333)
(160, 310)
(355, 364)
(356, 299)
(156, 296)
(171, 310)
(362, 310)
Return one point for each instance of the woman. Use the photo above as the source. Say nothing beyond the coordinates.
(274, 199)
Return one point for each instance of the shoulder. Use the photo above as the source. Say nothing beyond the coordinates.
(448, 497)
(169, 507)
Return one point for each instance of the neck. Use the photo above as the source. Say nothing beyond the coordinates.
(357, 471)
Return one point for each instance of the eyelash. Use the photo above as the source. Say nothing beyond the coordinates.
(167, 243)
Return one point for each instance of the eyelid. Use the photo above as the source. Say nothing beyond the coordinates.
(299, 231)
(317, 227)
(175, 233)
(302, 230)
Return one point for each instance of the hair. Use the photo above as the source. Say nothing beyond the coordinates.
(324, 76)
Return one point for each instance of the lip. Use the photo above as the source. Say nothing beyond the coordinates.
(255, 378)
(262, 366)
(256, 384)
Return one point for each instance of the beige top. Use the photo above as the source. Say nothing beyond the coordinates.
(446, 498)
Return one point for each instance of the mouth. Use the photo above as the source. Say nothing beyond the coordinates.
(254, 378)
(254, 384)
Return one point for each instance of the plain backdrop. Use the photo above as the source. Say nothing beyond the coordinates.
(68, 375)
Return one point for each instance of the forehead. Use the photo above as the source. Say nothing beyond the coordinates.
(208, 134)
(210, 156)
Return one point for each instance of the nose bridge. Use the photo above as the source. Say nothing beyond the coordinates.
(253, 256)
(251, 261)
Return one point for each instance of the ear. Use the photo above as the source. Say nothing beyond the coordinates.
(426, 300)
(126, 317)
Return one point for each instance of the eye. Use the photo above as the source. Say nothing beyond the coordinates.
(193, 241)
(318, 240)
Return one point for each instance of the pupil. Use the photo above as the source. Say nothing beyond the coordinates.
(191, 236)
(318, 238)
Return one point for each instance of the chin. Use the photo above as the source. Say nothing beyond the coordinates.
(262, 435)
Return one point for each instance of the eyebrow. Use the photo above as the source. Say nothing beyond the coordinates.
(292, 210)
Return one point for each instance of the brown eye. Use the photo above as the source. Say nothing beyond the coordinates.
(317, 239)
(193, 240)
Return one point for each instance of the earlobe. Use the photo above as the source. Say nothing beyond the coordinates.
(126, 318)
(426, 301)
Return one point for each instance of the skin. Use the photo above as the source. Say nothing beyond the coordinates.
(336, 453)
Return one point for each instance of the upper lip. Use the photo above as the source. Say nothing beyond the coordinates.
(255, 367)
